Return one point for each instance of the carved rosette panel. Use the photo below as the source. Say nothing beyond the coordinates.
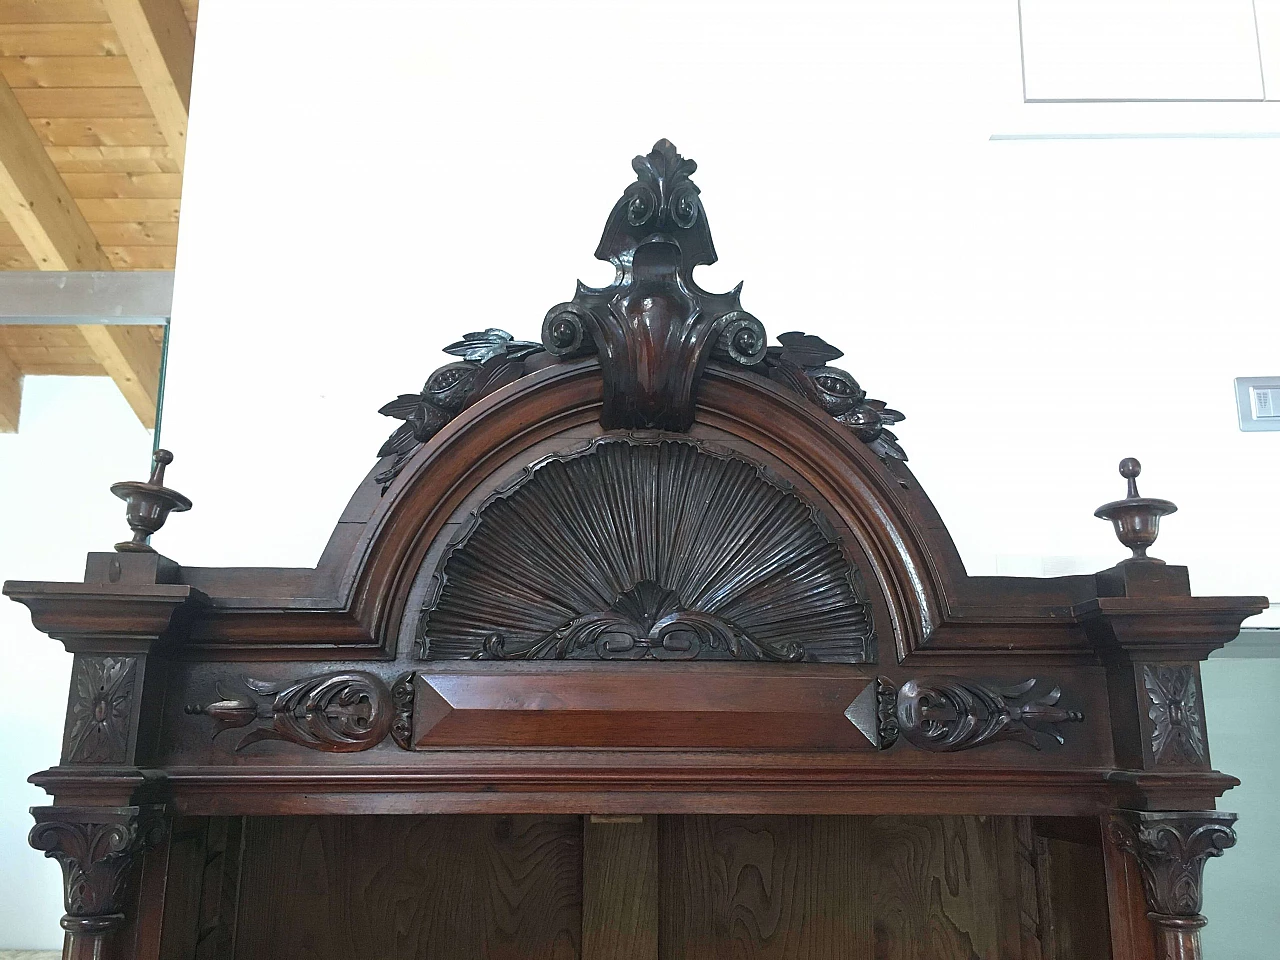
(945, 714)
(340, 712)
(638, 549)
(97, 849)
(100, 714)
(1177, 721)
(1171, 850)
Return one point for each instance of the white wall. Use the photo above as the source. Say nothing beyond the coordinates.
(78, 436)
(1039, 309)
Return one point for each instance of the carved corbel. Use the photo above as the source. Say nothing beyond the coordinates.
(1171, 850)
(98, 849)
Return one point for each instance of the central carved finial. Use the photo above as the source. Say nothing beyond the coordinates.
(653, 327)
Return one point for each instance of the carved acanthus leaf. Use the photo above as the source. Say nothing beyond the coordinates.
(97, 849)
(1171, 850)
(336, 712)
(945, 714)
(801, 364)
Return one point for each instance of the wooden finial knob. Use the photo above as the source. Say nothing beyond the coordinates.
(1130, 469)
(1136, 519)
(148, 505)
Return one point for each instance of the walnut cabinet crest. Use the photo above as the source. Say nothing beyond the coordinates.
(640, 640)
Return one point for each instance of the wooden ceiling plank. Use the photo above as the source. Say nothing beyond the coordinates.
(131, 357)
(52, 11)
(158, 39)
(28, 72)
(10, 394)
(60, 40)
(136, 234)
(142, 258)
(112, 159)
(36, 202)
(85, 102)
(101, 132)
(121, 186)
(16, 258)
(128, 210)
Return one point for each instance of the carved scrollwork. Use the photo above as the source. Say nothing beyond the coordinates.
(101, 709)
(1177, 726)
(945, 714)
(1171, 850)
(402, 697)
(335, 712)
(490, 358)
(97, 849)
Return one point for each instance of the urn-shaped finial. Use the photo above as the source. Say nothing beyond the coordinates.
(148, 505)
(1136, 519)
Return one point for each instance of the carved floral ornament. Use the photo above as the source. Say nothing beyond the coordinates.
(653, 329)
(101, 709)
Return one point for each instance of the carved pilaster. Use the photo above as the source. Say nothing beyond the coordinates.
(98, 849)
(1171, 850)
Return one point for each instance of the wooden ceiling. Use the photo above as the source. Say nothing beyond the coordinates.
(93, 115)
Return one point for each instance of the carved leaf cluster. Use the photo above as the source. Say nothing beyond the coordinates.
(340, 712)
(946, 714)
(1171, 850)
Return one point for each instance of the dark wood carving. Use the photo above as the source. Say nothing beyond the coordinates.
(402, 696)
(1177, 725)
(98, 849)
(101, 709)
(490, 358)
(148, 505)
(945, 714)
(802, 364)
(648, 550)
(654, 328)
(1171, 850)
(1136, 519)
(335, 712)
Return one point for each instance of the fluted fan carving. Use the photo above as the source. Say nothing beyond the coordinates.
(648, 550)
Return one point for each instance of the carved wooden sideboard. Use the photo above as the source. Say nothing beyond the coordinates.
(638, 641)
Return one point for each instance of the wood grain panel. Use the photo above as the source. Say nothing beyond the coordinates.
(128, 210)
(47, 72)
(821, 888)
(60, 40)
(411, 888)
(84, 102)
(134, 233)
(124, 185)
(98, 159)
(784, 888)
(620, 883)
(101, 132)
(141, 258)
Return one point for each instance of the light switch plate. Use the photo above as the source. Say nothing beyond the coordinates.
(1258, 402)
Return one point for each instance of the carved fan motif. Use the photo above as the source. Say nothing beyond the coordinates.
(648, 549)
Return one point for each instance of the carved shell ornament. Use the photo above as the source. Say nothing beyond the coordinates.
(653, 329)
(647, 549)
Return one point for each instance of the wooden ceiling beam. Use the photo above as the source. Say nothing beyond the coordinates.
(39, 208)
(10, 394)
(36, 201)
(158, 40)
